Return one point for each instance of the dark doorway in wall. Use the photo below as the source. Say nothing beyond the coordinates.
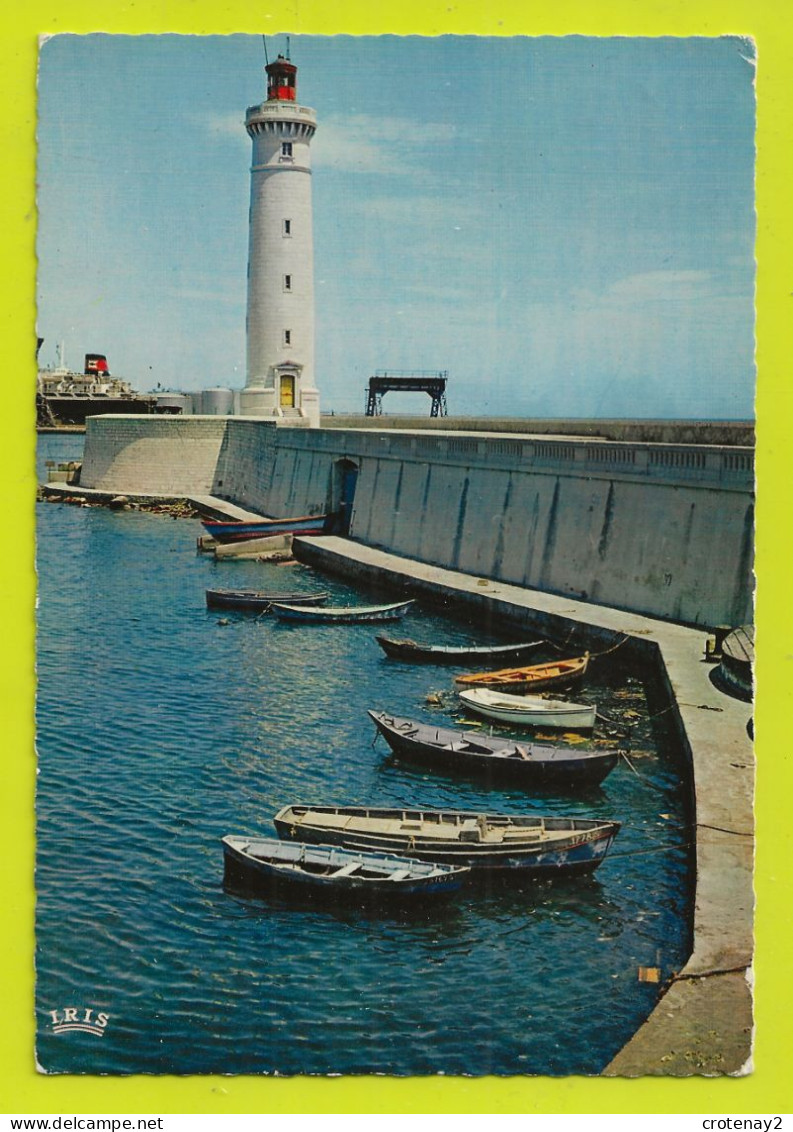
(345, 478)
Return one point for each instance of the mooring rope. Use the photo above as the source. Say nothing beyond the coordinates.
(639, 722)
(650, 785)
(566, 646)
(655, 849)
(721, 829)
(619, 644)
(632, 767)
(680, 977)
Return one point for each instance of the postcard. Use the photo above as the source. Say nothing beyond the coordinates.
(395, 563)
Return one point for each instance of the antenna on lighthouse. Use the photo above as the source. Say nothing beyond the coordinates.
(264, 44)
(287, 48)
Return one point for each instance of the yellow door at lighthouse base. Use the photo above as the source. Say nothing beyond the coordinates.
(288, 392)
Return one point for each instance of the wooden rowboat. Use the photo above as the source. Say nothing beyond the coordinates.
(497, 758)
(258, 600)
(553, 674)
(230, 531)
(529, 711)
(271, 865)
(456, 654)
(342, 614)
(520, 844)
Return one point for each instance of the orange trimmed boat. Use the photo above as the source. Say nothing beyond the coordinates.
(535, 677)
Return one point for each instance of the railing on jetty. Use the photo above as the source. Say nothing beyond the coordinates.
(690, 464)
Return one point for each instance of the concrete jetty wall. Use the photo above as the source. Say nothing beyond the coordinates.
(163, 455)
(663, 530)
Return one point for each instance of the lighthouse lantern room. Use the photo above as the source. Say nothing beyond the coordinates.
(281, 80)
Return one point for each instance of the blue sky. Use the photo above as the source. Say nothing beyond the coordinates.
(566, 224)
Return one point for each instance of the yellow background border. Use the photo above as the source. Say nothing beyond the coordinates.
(767, 1089)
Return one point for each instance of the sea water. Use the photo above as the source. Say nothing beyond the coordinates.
(162, 726)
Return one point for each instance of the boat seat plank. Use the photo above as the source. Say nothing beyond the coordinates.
(347, 870)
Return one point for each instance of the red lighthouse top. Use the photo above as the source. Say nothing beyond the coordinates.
(281, 80)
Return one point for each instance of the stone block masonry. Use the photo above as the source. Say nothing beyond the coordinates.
(164, 455)
(659, 529)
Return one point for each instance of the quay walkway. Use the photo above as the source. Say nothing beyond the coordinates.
(702, 1023)
(210, 506)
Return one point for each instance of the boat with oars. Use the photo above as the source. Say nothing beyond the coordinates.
(532, 678)
(271, 865)
(341, 615)
(519, 844)
(529, 711)
(497, 758)
(414, 653)
(259, 601)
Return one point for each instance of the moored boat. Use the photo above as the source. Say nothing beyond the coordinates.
(258, 600)
(342, 614)
(527, 844)
(240, 531)
(529, 711)
(415, 653)
(498, 758)
(734, 674)
(274, 865)
(534, 677)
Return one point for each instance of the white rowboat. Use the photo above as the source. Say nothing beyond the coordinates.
(530, 711)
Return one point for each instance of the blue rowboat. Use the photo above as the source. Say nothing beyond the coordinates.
(344, 614)
(522, 844)
(271, 865)
(225, 531)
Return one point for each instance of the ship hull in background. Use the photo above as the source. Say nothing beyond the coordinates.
(64, 410)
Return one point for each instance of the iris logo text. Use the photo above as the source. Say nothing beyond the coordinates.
(81, 1018)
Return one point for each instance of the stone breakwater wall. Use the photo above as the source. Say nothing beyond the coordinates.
(659, 529)
(164, 455)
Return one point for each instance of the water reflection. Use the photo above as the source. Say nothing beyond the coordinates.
(352, 911)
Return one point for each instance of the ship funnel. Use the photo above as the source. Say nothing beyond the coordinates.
(96, 363)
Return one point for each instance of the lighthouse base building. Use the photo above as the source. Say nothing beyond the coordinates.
(280, 314)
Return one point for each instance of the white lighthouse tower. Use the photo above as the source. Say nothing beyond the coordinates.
(280, 319)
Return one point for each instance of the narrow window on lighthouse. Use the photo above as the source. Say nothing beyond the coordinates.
(287, 282)
(286, 149)
(287, 337)
(287, 227)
